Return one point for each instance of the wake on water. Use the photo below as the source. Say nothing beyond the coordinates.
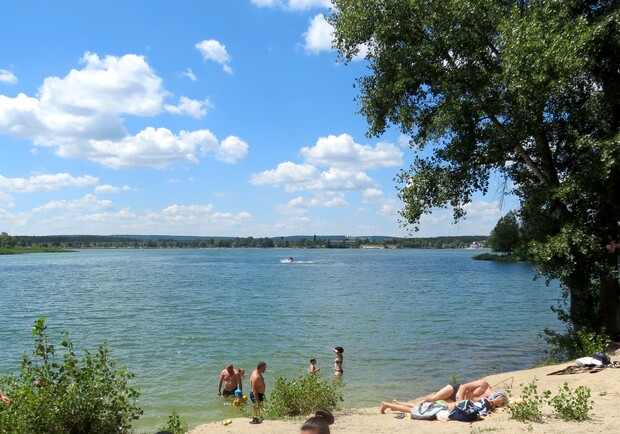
(294, 261)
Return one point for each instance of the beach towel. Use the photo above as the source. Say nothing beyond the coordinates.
(427, 410)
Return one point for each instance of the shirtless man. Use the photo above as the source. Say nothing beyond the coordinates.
(257, 383)
(231, 380)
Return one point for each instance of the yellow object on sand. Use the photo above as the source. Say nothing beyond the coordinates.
(226, 421)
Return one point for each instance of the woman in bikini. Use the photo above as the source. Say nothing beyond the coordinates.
(338, 362)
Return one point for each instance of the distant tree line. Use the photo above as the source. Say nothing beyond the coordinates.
(179, 242)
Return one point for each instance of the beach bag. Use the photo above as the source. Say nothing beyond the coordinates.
(427, 410)
(464, 411)
(602, 357)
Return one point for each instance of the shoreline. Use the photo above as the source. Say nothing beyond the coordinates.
(604, 388)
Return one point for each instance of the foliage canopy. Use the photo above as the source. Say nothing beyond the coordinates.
(525, 90)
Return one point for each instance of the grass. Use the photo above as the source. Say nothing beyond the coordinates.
(496, 258)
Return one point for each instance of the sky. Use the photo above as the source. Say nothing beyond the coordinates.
(192, 117)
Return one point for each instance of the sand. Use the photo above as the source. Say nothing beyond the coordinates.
(604, 386)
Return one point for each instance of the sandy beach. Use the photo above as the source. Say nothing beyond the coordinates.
(605, 393)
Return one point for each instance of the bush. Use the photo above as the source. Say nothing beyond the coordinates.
(529, 409)
(572, 405)
(62, 394)
(301, 396)
(175, 424)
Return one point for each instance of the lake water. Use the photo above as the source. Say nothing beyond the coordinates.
(407, 319)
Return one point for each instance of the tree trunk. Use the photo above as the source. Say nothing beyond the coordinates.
(610, 298)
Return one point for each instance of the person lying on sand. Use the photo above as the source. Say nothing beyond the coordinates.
(495, 400)
(474, 390)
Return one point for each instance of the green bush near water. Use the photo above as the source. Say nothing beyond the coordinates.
(301, 396)
(569, 405)
(60, 393)
(175, 424)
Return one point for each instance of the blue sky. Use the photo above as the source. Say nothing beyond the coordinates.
(211, 118)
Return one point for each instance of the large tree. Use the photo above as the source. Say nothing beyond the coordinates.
(528, 90)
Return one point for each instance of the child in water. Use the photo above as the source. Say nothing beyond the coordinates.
(313, 367)
(240, 398)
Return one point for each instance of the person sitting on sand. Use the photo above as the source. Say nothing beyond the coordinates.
(319, 423)
(474, 390)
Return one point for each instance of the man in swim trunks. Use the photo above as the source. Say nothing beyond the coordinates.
(474, 390)
(257, 383)
(231, 380)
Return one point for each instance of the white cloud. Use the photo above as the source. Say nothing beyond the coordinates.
(337, 179)
(231, 149)
(302, 5)
(113, 84)
(286, 173)
(318, 37)
(111, 189)
(189, 74)
(45, 183)
(298, 177)
(81, 115)
(301, 205)
(88, 203)
(293, 5)
(153, 147)
(372, 195)
(6, 199)
(342, 151)
(215, 51)
(187, 210)
(89, 215)
(7, 77)
(191, 107)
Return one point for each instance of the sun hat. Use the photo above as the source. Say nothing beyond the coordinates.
(498, 394)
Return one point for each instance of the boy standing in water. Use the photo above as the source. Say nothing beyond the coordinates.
(313, 367)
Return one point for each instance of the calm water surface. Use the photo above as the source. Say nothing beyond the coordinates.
(407, 319)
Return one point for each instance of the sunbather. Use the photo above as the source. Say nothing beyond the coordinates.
(495, 400)
(474, 390)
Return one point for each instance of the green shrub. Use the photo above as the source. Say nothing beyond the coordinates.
(529, 409)
(301, 396)
(60, 394)
(175, 424)
(572, 405)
